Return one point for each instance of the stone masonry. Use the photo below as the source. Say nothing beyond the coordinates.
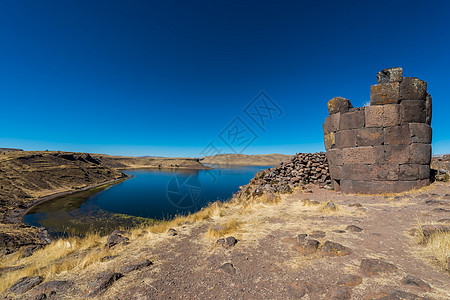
(384, 147)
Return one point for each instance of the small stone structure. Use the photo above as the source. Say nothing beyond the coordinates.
(383, 147)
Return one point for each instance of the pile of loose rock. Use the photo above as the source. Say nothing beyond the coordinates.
(303, 168)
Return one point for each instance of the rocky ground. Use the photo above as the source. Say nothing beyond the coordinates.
(304, 247)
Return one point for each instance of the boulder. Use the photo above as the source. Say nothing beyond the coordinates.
(100, 285)
(335, 249)
(372, 267)
(339, 105)
(24, 284)
(390, 75)
(135, 267)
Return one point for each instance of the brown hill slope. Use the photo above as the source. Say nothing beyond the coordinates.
(246, 160)
(129, 162)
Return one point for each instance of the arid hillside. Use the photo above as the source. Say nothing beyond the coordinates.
(129, 162)
(246, 160)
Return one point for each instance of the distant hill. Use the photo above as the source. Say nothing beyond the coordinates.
(246, 160)
(9, 149)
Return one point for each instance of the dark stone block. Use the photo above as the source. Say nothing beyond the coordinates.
(378, 153)
(374, 116)
(336, 172)
(346, 139)
(402, 186)
(420, 133)
(428, 108)
(331, 123)
(420, 154)
(424, 171)
(396, 154)
(359, 155)
(398, 135)
(391, 115)
(369, 137)
(352, 120)
(367, 187)
(412, 88)
(390, 75)
(413, 111)
(385, 93)
(334, 157)
(339, 104)
(408, 172)
(356, 172)
(385, 172)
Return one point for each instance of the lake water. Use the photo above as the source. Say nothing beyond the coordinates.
(154, 194)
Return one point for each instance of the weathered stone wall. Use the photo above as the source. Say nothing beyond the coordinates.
(383, 147)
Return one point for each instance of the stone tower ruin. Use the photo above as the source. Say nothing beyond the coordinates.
(384, 147)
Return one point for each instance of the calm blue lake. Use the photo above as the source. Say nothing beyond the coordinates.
(155, 194)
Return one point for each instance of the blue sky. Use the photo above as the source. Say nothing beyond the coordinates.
(170, 77)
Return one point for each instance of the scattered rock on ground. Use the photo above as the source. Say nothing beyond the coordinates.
(134, 267)
(306, 246)
(41, 296)
(227, 268)
(317, 234)
(396, 295)
(24, 284)
(330, 206)
(414, 281)
(355, 205)
(10, 269)
(100, 285)
(341, 293)
(50, 286)
(117, 237)
(108, 257)
(335, 249)
(227, 242)
(349, 280)
(371, 267)
(28, 251)
(353, 228)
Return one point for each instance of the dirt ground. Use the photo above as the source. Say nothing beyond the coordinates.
(267, 261)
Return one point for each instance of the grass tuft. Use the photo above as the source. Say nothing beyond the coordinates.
(62, 255)
(436, 244)
(329, 207)
(218, 231)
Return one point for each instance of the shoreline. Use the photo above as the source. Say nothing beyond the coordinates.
(16, 215)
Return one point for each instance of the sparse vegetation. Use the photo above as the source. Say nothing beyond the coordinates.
(436, 244)
(67, 254)
(329, 207)
(220, 231)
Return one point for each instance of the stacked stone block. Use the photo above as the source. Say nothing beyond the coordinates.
(384, 147)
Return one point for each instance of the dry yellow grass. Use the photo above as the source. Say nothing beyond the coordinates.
(75, 253)
(60, 256)
(329, 207)
(437, 245)
(218, 231)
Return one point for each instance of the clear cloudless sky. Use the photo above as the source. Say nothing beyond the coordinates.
(167, 77)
